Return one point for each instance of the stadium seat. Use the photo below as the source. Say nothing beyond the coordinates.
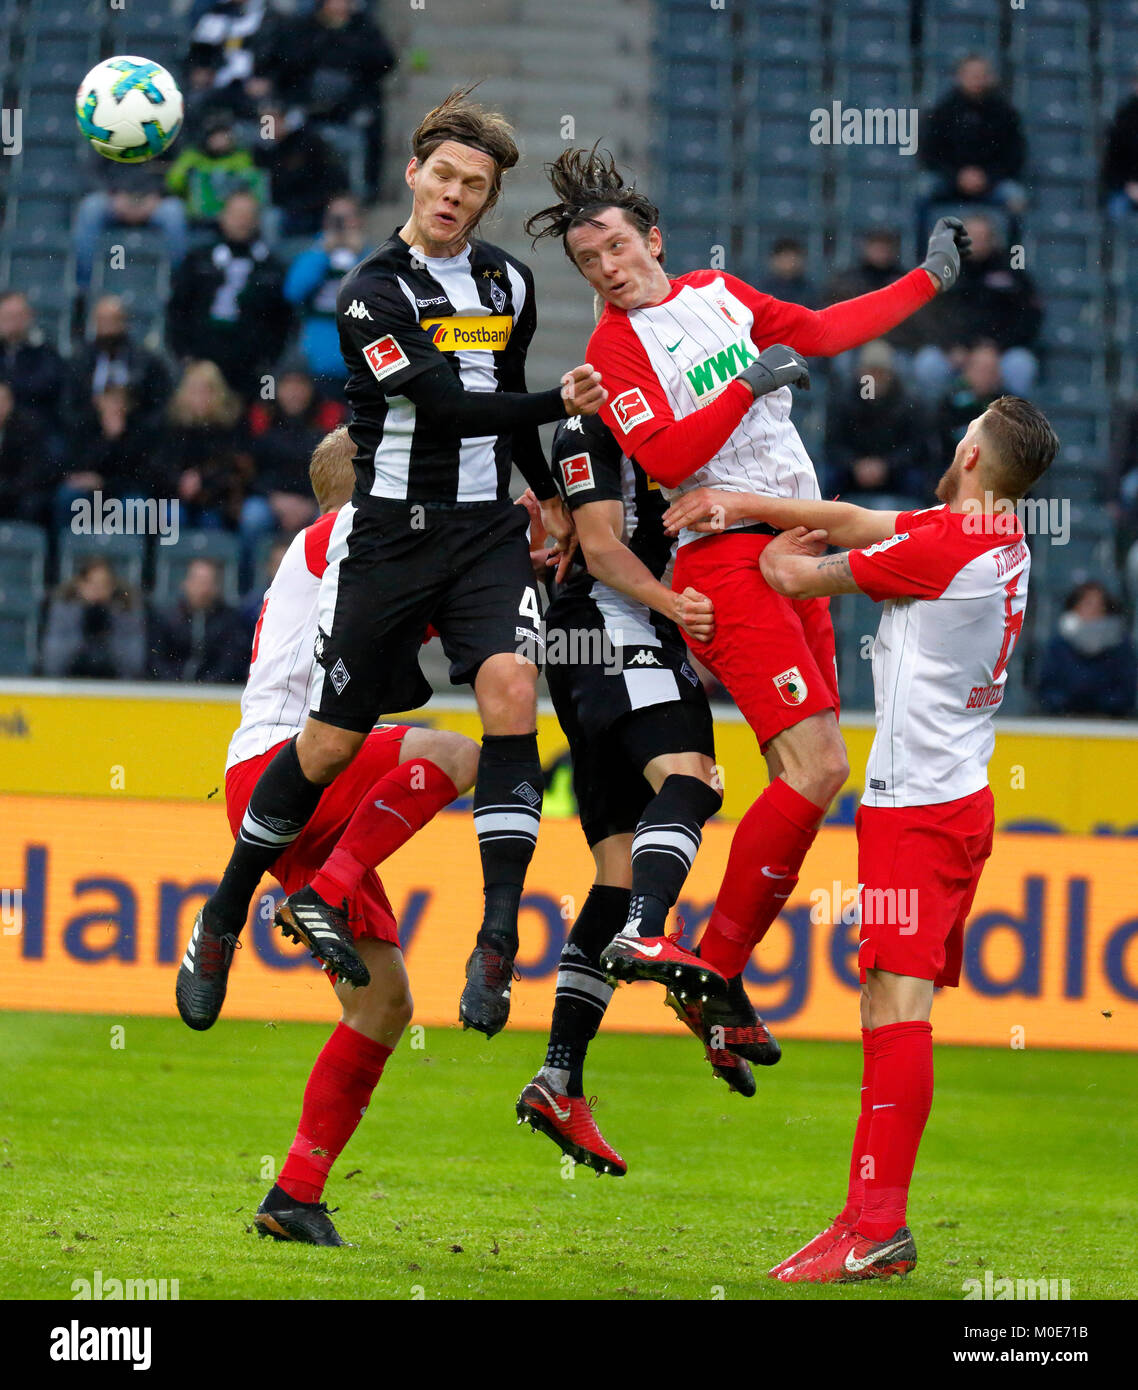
(142, 279)
(791, 83)
(126, 553)
(172, 561)
(59, 58)
(1050, 25)
(23, 559)
(69, 17)
(876, 21)
(879, 74)
(28, 212)
(19, 627)
(955, 27)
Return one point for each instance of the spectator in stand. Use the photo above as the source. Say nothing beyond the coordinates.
(331, 62)
(210, 457)
(206, 173)
(200, 637)
(876, 433)
(226, 304)
(130, 195)
(1090, 667)
(311, 285)
(113, 358)
(304, 171)
(1120, 158)
(114, 453)
(222, 48)
(972, 141)
(32, 368)
(95, 628)
(978, 385)
(285, 432)
(993, 302)
(878, 265)
(27, 475)
(786, 276)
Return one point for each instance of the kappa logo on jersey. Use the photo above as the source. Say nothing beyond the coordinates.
(631, 409)
(889, 541)
(643, 658)
(429, 303)
(356, 310)
(577, 472)
(790, 686)
(489, 333)
(384, 356)
(707, 378)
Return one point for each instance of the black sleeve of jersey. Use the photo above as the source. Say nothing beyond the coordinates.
(475, 413)
(526, 451)
(379, 333)
(586, 462)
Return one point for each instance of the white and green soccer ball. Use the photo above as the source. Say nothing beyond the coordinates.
(130, 109)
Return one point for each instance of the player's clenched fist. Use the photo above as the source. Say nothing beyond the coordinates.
(582, 392)
(694, 613)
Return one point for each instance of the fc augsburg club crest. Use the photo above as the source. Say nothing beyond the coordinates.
(791, 686)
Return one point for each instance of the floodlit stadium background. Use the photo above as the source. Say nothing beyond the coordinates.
(111, 824)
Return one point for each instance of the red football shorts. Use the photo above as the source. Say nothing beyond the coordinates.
(919, 867)
(369, 912)
(774, 655)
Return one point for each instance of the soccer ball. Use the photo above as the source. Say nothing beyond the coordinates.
(130, 109)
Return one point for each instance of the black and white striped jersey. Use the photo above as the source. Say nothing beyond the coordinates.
(588, 466)
(400, 314)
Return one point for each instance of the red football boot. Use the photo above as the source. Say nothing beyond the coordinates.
(726, 1065)
(834, 1231)
(664, 960)
(854, 1257)
(568, 1120)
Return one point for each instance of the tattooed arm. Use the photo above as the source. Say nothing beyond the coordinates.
(795, 564)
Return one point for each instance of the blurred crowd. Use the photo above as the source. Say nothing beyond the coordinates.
(260, 207)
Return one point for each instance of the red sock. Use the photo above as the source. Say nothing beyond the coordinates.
(774, 834)
(337, 1094)
(394, 808)
(902, 1099)
(852, 1209)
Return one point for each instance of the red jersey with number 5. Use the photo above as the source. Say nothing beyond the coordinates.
(954, 586)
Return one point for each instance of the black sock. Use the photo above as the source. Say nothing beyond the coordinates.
(281, 806)
(663, 848)
(507, 813)
(583, 993)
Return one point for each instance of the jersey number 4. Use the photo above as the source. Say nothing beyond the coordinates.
(1013, 622)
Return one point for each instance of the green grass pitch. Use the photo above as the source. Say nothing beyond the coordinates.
(145, 1161)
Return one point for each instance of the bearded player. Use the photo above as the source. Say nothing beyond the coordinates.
(434, 327)
(399, 780)
(953, 582)
(698, 371)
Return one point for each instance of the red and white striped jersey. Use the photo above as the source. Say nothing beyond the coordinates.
(282, 670)
(954, 587)
(662, 362)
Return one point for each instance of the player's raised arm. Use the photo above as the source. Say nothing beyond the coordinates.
(709, 509)
(795, 564)
(852, 322)
(599, 527)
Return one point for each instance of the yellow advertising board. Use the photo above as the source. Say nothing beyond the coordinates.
(169, 743)
(99, 894)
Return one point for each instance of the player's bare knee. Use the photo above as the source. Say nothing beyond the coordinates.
(324, 751)
(507, 695)
(452, 753)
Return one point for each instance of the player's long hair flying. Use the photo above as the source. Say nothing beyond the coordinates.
(588, 182)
